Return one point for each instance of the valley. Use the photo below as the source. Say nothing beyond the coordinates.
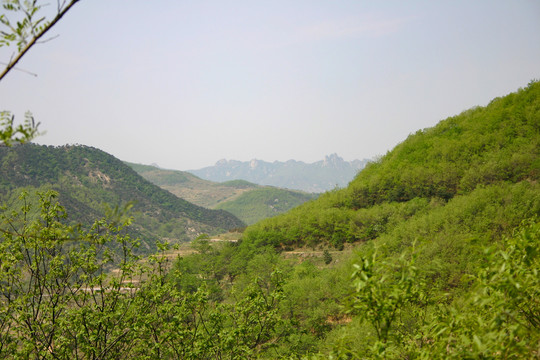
(249, 202)
(430, 252)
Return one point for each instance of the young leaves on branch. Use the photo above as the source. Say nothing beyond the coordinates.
(9, 133)
(24, 25)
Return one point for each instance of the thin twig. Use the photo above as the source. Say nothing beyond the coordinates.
(47, 40)
(19, 69)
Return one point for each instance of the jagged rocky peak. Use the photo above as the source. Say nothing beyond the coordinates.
(332, 159)
(315, 177)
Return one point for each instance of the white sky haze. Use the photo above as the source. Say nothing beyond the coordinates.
(186, 83)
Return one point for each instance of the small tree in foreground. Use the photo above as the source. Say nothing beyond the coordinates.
(498, 319)
(73, 293)
(57, 297)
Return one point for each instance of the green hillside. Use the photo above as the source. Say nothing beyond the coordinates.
(263, 202)
(162, 177)
(445, 232)
(484, 150)
(444, 236)
(248, 201)
(191, 188)
(87, 178)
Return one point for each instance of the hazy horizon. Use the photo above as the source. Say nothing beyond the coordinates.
(185, 84)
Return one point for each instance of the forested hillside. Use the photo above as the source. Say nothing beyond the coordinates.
(441, 237)
(249, 202)
(87, 178)
(486, 154)
(445, 228)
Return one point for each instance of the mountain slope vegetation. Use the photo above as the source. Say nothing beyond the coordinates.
(87, 178)
(432, 223)
(188, 186)
(249, 202)
(480, 150)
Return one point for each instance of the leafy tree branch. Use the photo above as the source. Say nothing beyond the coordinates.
(23, 25)
(29, 28)
(9, 133)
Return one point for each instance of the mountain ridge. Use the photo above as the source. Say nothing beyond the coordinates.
(87, 178)
(316, 177)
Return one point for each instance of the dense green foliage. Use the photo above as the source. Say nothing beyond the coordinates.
(403, 317)
(59, 299)
(87, 178)
(455, 190)
(238, 301)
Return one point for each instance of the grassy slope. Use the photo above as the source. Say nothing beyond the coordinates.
(248, 201)
(190, 187)
(264, 202)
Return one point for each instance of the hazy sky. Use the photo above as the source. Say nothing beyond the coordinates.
(186, 83)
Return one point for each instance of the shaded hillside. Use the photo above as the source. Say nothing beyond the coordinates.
(248, 201)
(87, 178)
(483, 150)
(317, 177)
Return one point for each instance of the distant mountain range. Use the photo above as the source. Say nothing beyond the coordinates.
(316, 177)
